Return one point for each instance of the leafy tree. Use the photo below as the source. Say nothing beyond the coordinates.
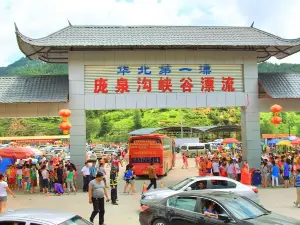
(105, 128)
(137, 119)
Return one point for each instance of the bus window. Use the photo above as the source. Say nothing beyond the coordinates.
(207, 146)
(183, 147)
(196, 147)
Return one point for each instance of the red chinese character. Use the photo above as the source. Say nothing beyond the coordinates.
(122, 85)
(146, 83)
(186, 85)
(100, 85)
(207, 84)
(227, 84)
(165, 84)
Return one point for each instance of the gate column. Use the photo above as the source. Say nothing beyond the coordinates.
(78, 118)
(250, 119)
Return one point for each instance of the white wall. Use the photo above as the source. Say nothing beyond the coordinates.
(31, 109)
(159, 100)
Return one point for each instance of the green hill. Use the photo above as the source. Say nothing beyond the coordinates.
(114, 125)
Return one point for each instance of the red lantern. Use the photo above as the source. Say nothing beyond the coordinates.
(276, 108)
(65, 112)
(65, 126)
(276, 120)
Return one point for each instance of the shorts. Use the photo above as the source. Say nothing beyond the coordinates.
(3, 198)
(45, 183)
(19, 182)
(26, 179)
(127, 181)
(286, 178)
(132, 181)
(33, 182)
(12, 180)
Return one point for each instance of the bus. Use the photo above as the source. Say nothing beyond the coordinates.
(154, 148)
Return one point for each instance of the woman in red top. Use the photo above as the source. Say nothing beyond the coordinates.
(245, 175)
(185, 161)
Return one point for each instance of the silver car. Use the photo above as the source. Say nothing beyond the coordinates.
(212, 183)
(41, 217)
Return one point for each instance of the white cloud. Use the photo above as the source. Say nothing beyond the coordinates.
(36, 18)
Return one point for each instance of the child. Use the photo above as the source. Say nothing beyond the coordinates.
(26, 176)
(33, 178)
(113, 185)
(52, 177)
(19, 178)
(70, 180)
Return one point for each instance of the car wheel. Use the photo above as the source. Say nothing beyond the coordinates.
(159, 222)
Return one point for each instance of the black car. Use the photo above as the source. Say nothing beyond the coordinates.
(208, 208)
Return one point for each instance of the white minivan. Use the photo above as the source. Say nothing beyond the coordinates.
(194, 149)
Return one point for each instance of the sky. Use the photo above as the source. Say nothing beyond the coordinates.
(38, 18)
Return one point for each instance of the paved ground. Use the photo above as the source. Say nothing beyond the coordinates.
(278, 200)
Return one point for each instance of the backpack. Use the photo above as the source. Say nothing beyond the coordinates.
(128, 174)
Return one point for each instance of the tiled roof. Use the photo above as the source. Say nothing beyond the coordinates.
(50, 48)
(280, 85)
(17, 89)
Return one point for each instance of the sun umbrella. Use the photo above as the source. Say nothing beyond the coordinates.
(291, 138)
(296, 142)
(273, 142)
(16, 152)
(230, 141)
(284, 143)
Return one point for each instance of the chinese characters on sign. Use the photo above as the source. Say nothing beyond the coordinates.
(167, 79)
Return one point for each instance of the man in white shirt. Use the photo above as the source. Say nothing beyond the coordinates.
(86, 177)
(215, 167)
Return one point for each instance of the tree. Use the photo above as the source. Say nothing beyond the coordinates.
(105, 128)
(137, 119)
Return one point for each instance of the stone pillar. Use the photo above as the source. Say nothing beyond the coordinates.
(77, 106)
(250, 118)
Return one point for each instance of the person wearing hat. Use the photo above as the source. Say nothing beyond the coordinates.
(97, 191)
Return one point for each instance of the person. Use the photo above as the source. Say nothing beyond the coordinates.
(125, 179)
(210, 209)
(45, 179)
(185, 161)
(286, 173)
(3, 194)
(230, 170)
(86, 176)
(202, 167)
(265, 175)
(93, 171)
(19, 177)
(113, 186)
(152, 176)
(70, 180)
(297, 185)
(132, 180)
(237, 170)
(60, 174)
(33, 178)
(102, 170)
(97, 191)
(201, 186)
(275, 174)
(245, 175)
(215, 168)
(25, 176)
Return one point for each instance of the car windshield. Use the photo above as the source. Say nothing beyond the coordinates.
(181, 184)
(75, 221)
(244, 209)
